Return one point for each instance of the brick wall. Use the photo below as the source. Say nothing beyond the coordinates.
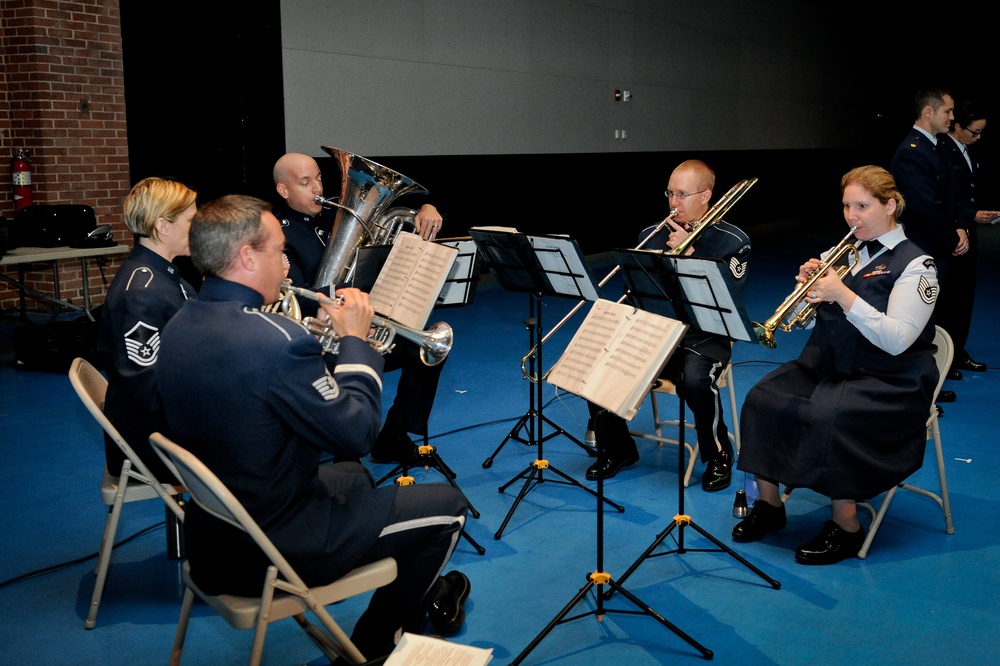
(62, 97)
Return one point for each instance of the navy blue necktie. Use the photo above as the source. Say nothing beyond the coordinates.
(873, 247)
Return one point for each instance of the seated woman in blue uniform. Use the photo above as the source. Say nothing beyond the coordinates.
(146, 292)
(847, 417)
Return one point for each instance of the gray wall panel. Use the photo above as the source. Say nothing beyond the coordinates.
(451, 77)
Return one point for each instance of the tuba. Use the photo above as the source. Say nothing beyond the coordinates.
(364, 218)
(786, 317)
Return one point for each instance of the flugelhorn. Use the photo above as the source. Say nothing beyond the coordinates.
(786, 317)
(576, 308)
(435, 343)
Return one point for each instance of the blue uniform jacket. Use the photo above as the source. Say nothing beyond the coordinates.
(146, 292)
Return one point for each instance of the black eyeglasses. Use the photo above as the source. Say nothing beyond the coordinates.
(973, 132)
(681, 195)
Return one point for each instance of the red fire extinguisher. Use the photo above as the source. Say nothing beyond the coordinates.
(20, 173)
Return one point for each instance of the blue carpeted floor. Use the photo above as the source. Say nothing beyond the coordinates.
(921, 595)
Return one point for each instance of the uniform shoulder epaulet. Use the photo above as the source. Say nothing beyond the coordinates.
(142, 275)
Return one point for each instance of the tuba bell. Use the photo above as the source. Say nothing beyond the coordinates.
(367, 190)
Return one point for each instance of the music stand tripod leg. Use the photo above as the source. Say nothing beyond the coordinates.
(427, 456)
(598, 579)
(681, 520)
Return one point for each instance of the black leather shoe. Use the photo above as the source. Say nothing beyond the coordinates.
(607, 466)
(969, 365)
(447, 612)
(392, 447)
(831, 545)
(763, 518)
(953, 374)
(719, 471)
(946, 396)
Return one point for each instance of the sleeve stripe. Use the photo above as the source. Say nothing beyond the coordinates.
(358, 367)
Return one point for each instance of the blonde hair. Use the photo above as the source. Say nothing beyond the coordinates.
(153, 198)
(877, 182)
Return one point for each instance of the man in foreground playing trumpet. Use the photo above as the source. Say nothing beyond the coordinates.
(254, 397)
(701, 356)
(847, 417)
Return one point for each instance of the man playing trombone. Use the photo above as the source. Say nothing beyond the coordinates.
(701, 356)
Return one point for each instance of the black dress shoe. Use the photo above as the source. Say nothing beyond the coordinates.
(953, 374)
(607, 466)
(946, 396)
(969, 365)
(393, 447)
(763, 518)
(831, 545)
(719, 471)
(447, 612)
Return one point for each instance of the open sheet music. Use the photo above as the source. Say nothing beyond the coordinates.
(407, 288)
(418, 650)
(615, 356)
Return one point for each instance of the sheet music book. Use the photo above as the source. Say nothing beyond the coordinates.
(616, 355)
(411, 279)
(418, 650)
(460, 285)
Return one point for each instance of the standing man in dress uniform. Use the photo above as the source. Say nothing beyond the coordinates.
(928, 185)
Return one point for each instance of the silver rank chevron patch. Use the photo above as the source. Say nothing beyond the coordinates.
(928, 292)
(142, 344)
(738, 268)
(327, 387)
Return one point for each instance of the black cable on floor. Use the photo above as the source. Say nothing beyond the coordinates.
(57, 567)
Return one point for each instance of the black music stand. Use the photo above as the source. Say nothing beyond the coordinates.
(540, 266)
(458, 290)
(599, 578)
(696, 291)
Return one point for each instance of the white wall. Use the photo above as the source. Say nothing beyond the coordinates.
(459, 77)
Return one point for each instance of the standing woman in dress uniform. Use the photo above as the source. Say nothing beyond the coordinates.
(847, 418)
(146, 292)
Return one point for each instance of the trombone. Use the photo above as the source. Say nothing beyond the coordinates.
(786, 317)
(711, 217)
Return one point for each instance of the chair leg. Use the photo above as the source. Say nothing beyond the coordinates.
(263, 615)
(182, 625)
(107, 544)
(949, 528)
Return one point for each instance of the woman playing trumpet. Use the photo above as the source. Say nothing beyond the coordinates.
(847, 418)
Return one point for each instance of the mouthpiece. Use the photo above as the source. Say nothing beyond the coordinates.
(327, 201)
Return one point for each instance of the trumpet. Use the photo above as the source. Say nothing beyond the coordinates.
(435, 343)
(786, 317)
